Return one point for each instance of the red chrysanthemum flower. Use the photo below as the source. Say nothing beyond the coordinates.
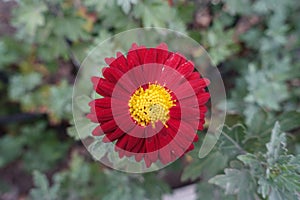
(153, 104)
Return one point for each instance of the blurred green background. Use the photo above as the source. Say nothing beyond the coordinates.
(254, 43)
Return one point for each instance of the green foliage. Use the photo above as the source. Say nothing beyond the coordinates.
(28, 83)
(255, 44)
(34, 146)
(158, 14)
(263, 90)
(273, 174)
(60, 101)
(219, 42)
(227, 148)
(42, 189)
(11, 148)
(29, 16)
(84, 181)
(126, 4)
(237, 182)
(41, 157)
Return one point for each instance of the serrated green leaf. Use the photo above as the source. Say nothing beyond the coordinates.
(29, 16)
(60, 100)
(22, 84)
(70, 28)
(231, 140)
(255, 165)
(83, 103)
(208, 166)
(220, 42)
(98, 148)
(264, 91)
(205, 190)
(236, 182)
(43, 190)
(276, 146)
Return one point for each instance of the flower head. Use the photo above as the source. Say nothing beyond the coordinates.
(153, 104)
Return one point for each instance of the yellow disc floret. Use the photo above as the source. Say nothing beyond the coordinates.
(151, 105)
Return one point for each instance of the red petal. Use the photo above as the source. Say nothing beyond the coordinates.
(191, 147)
(152, 147)
(110, 137)
(164, 154)
(103, 102)
(186, 68)
(199, 84)
(139, 156)
(150, 56)
(103, 114)
(147, 160)
(173, 60)
(138, 146)
(177, 150)
(121, 62)
(133, 59)
(97, 131)
(196, 138)
(92, 117)
(109, 126)
(184, 113)
(102, 86)
(194, 76)
(131, 142)
(112, 74)
(200, 125)
(203, 98)
(162, 46)
(176, 135)
(122, 142)
(162, 56)
(141, 51)
(111, 62)
(183, 59)
(150, 144)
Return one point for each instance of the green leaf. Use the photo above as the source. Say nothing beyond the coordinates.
(238, 6)
(83, 103)
(237, 182)
(98, 148)
(158, 14)
(42, 189)
(289, 120)
(60, 101)
(208, 166)
(54, 48)
(220, 42)
(208, 191)
(29, 16)
(70, 27)
(263, 90)
(126, 4)
(151, 13)
(97, 5)
(277, 145)
(10, 148)
(254, 164)
(281, 179)
(232, 140)
(20, 85)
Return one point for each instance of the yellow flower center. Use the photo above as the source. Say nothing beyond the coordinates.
(151, 105)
